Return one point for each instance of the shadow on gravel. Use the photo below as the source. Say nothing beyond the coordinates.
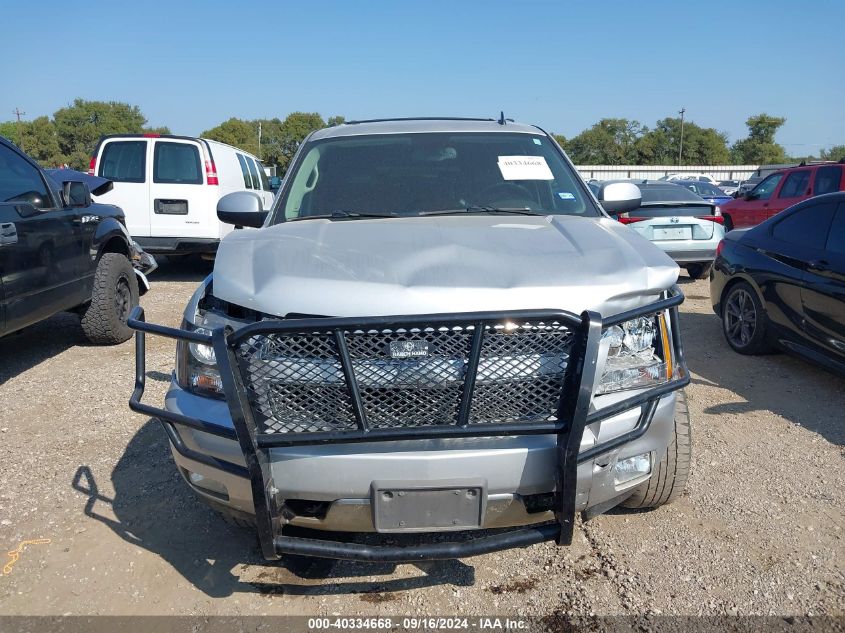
(33, 345)
(154, 509)
(183, 268)
(797, 390)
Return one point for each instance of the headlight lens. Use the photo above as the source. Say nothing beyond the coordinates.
(633, 360)
(196, 364)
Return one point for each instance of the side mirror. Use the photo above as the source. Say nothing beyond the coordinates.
(76, 194)
(241, 208)
(27, 210)
(620, 197)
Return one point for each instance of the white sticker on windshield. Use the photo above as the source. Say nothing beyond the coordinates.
(524, 168)
(565, 195)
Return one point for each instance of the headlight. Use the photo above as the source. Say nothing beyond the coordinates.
(196, 365)
(639, 355)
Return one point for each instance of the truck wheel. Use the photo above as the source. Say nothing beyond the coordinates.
(669, 479)
(697, 271)
(115, 294)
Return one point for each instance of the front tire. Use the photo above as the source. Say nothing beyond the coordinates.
(744, 320)
(669, 479)
(115, 294)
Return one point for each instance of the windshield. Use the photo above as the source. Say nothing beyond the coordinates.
(418, 173)
(702, 188)
(668, 193)
(670, 200)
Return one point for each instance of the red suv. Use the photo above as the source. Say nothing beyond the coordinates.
(782, 189)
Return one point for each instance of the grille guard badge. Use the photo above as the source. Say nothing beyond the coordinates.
(408, 349)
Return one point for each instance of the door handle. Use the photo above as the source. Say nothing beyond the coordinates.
(820, 265)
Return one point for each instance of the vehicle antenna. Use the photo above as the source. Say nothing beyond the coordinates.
(501, 117)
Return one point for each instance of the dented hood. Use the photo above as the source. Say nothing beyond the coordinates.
(426, 265)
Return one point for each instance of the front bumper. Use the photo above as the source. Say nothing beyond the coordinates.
(518, 470)
(691, 251)
(568, 459)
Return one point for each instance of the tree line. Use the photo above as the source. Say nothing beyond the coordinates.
(624, 142)
(70, 135)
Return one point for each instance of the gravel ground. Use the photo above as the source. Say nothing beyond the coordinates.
(761, 529)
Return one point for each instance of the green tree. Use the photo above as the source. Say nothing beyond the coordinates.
(12, 130)
(561, 140)
(79, 127)
(759, 147)
(157, 130)
(335, 120)
(279, 139)
(40, 141)
(702, 146)
(837, 152)
(293, 130)
(608, 142)
(236, 132)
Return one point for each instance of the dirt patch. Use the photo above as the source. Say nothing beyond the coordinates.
(520, 585)
(375, 597)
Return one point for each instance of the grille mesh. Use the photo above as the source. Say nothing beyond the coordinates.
(411, 377)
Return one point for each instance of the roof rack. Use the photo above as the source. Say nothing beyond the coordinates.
(418, 118)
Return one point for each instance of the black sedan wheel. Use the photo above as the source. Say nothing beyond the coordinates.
(744, 320)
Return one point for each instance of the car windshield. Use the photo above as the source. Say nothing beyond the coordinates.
(702, 188)
(670, 200)
(668, 193)
(416, 174)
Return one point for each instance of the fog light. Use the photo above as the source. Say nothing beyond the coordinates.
(632, 468)
(210, 485)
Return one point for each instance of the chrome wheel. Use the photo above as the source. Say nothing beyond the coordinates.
(740, 318)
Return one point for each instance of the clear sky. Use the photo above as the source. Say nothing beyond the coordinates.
(562, 65)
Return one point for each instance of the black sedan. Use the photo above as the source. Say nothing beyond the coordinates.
(782, 283)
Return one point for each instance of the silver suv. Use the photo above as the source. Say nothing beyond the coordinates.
(436, 328)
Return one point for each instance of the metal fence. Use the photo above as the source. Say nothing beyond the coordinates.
(654, 172)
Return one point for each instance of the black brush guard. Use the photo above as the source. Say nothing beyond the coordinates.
(567, 422)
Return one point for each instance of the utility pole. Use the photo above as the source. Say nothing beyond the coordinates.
(681, 148)
(259, 140)
(19, 113)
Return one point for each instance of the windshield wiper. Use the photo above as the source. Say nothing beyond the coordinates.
(483, 209)
(344, 215)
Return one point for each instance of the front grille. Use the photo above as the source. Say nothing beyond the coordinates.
(406, 377)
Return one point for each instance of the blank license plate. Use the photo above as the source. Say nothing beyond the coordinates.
(673, 233)
(397, 509)
(171, 207)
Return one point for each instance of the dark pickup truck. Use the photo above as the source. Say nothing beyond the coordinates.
(61, 251)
